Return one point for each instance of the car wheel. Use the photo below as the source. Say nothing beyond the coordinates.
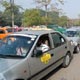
(67, 60)
(77, 49)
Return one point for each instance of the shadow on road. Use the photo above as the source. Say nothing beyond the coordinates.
(51, 73)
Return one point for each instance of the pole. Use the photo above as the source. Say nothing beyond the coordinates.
(46, 15)
(12, 11)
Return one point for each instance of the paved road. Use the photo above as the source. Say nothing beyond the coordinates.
(70, 73)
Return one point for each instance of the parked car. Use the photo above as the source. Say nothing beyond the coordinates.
(17, 29)
(37, 28)
(73, 34)
(4, 32)
(21, 60)
(57, 28)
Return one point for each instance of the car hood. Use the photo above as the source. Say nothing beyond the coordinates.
(75, 39)
(7, 63)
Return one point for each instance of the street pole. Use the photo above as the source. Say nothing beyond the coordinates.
(46, 3)
(12, 11)
(46, 15)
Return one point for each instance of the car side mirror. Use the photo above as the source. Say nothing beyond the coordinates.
(37, 53)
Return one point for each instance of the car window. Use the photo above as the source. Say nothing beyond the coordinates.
(57, 39)
(2, 31)
(15, 46)
(43, 43)
(72, 33)
(78, 33)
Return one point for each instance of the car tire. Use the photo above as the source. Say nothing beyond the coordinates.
(67, 60)
(77, 49)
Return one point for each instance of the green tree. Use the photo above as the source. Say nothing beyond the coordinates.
(63, 20)
(2, 19)
(54, 17)
(46, 20)
(7, 14)
(31, 17)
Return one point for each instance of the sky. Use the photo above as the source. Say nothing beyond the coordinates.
(71, 8)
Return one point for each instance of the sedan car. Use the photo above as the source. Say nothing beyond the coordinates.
(73, 34)
(21, 59)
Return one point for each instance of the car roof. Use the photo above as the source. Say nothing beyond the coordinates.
(73, 29)
(3, 28)
(35, 32)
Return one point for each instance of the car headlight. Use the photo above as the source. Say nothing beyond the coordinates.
(75, 43)
(2, 77)
(71, 42)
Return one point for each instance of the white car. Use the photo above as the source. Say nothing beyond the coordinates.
(73, 34)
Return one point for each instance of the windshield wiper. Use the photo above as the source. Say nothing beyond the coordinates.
(3, 56)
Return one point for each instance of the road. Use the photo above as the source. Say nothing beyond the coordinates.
(72, 72)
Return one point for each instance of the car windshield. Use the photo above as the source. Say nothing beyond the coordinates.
(9, 30)
(71, 33)
(16, 46)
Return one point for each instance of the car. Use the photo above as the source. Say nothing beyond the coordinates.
(57, 28)
(20, 59)
(73, 34)
(17, 29)
(4, 31)
(37, 28)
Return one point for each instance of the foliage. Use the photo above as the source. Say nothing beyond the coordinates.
(54, 16)
(62, 21)
(2, 21)
(5, 4)
(37, 17)
(31, 17)
(6, 15)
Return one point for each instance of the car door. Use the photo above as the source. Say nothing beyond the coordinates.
(78, 35)
(60, 46)
(36, 65)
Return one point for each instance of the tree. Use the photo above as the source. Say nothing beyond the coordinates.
(8, 13)
(44, 3)
(31, 17)
(54, 16)
(2, 21)
(62, 21)
(35, 17)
